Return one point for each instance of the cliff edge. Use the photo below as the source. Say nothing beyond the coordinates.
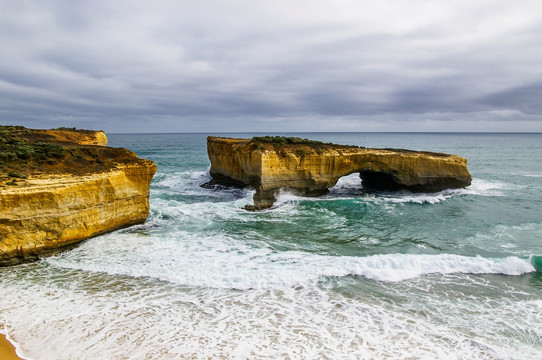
(59, 187)
(310, 167)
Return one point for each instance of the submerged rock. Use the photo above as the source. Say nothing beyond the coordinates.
(57, 189)
(309, 167)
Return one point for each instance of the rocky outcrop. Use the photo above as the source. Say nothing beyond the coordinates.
(70, 136)
(89, 191)
(310, 168)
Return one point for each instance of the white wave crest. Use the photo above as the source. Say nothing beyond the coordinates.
(349, 187)
(189, 183)
(181, 181)
(399, 267)
(479, 187)
(221, 262)
(483, 187)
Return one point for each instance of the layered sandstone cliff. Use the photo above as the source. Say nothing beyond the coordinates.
(85, 191)
(310, 168)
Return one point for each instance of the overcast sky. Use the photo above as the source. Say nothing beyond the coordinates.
(209, 66)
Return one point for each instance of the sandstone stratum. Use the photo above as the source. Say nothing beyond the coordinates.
(310, 168)
(59, 187)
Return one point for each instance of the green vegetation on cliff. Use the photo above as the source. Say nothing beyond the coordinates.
(14, 149)
(26, 152)
(281, 141)
(73, 129)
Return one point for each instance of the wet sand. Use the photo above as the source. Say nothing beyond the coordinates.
(7, 350)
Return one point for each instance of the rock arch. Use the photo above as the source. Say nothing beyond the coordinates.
(310, 168)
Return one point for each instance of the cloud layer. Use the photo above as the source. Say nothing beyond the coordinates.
(278, 65)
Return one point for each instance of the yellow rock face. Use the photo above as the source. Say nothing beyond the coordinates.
(68, 202)
(231, 160)
(52, 212)
(312, 169)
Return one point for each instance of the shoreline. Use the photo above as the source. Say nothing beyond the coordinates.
(7, 349)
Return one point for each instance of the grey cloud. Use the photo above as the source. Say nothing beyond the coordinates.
(526, 98)
(213, 61)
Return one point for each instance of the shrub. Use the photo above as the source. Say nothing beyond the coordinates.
(284, 140)
(15, 174)
(63, 128)
(14, 149)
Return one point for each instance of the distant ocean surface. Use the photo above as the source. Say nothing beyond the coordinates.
(351, 275)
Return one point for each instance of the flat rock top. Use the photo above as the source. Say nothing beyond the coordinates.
(33, 153)
(284, 145)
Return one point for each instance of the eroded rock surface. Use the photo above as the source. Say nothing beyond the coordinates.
(310, 168)
(81, 137)
(53, 203)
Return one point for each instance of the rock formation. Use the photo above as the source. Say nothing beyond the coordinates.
(67, 136)
(78, 191)
(310, 168)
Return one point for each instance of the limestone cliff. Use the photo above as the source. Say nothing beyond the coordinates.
(82, 191)
(310, 168)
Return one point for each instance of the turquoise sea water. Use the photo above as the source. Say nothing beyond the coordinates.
(351, 275)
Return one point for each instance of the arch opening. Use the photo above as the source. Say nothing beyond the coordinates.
(380, 181)
(347, 184)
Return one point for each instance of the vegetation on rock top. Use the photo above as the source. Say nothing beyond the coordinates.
(26, 152)
(283, 140)
(279, 142)
(13, 148)
(73, 129)
(289, 140)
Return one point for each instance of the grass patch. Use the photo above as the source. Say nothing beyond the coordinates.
(73, 129)
(282, 141)
(15, 150)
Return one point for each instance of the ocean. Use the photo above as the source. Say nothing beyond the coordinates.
(353, 274)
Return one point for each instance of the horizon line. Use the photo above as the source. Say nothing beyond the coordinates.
(325, 132)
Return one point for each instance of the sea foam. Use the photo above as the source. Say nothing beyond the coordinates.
(116, 315)
(218, 261)
(349, 187)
